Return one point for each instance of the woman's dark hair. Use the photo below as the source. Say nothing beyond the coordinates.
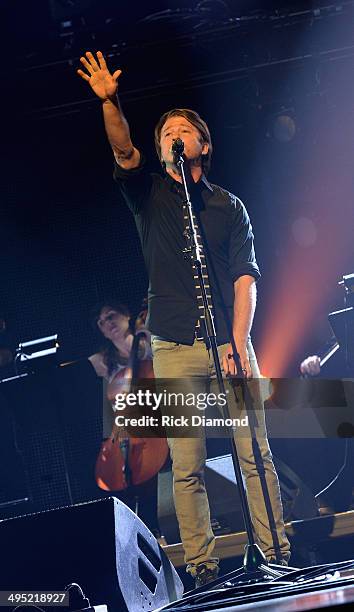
(111, 355)
(193, 118)
(109, 303)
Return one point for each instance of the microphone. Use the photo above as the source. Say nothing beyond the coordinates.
(177, 149)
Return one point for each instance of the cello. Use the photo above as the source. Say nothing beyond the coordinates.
(125, 460)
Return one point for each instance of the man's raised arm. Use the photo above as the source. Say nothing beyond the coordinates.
(105, 86)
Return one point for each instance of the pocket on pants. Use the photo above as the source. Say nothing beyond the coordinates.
(158, 344)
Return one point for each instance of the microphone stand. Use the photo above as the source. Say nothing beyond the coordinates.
(254, 559)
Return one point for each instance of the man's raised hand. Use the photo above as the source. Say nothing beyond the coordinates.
(102, 82)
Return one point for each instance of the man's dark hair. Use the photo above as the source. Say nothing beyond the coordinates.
(194, 119)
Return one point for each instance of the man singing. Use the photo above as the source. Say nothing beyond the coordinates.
(179, 343)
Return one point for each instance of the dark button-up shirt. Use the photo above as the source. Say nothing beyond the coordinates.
(156, 202)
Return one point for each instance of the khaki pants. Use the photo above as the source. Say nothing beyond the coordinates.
(195, 364)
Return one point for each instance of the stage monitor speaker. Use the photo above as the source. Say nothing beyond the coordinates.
(224, 500)
(101, 545)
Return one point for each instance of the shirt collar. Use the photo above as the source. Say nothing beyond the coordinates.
(177, 186)
(206, 182)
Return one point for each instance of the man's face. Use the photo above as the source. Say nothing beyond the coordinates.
(179, 127)
(113, 324)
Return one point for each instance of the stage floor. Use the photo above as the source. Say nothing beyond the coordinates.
(319, 529)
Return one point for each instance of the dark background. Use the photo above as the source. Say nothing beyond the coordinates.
(66, 238)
